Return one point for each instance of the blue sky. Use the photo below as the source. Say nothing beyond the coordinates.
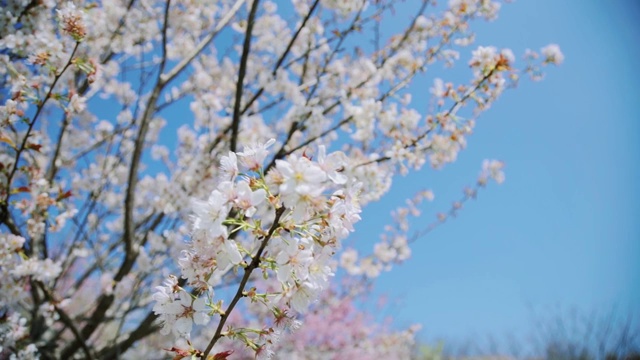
(562, 231)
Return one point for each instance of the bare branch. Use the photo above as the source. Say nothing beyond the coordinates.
(241, 73)
(255, 262)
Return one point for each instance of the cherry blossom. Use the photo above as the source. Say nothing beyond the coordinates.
(187, 175)
(552, 54)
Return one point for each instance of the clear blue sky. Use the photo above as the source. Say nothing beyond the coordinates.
(563, 229)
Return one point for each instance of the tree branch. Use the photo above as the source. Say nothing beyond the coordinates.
(255, 262)
(66, 320)
(284, 54)
(241, 73)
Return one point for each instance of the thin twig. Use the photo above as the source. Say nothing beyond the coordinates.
(64, 317)
(246, 48)
(255, 262)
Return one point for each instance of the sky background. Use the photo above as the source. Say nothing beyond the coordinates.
(562, 231)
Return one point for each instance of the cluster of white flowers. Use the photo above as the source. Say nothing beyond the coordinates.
(486, 59)
(345, 7)
(491, 169)
(307, 206)
(11, 111)
(15, 267)
(72, 21)
(484, 8)
(178, 309)
(13, 330)
(15, 270)
(394, 245)
(10, 291)
(41, 270)
(552, 54)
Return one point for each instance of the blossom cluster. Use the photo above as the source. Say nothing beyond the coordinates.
(294, 217)
(18, 273)
(393, 247)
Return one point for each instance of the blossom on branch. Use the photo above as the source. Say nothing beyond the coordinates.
(186, 175)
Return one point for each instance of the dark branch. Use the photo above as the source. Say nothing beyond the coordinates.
(241, 73)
